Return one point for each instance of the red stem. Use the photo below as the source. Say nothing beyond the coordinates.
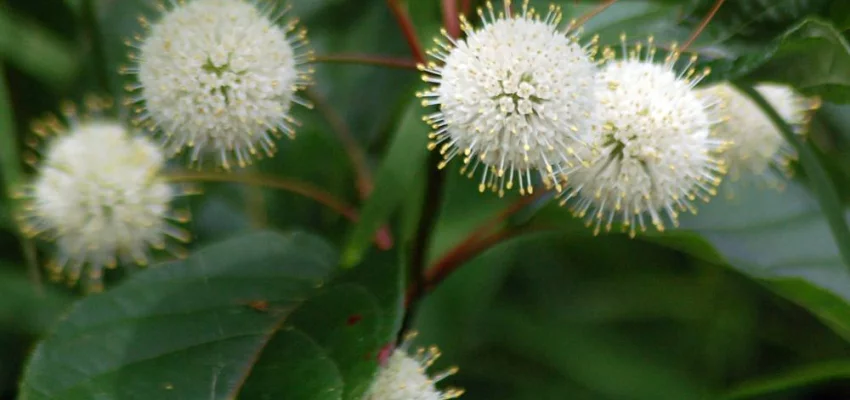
(450, 18)
(703, 24)
(355, 154)
(381, 61)
(466, 7)
(503, 215)
(407, 28)
(477, 242)
(382, 238)
(594, 12)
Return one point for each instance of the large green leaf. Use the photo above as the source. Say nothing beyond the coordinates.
(814, 58)
(395, 178)
(262, 315)
(26, 307)
(778, 238)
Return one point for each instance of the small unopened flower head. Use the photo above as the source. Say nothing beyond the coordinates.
(99, 195)
(655, 154)
(513, 96)
(405, 377)
(759, 148)
(220, 76)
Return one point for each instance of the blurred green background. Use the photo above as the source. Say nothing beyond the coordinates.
(749, 299)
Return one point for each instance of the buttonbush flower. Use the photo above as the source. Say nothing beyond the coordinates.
(759, 148)
(220, 76)
(655, 153)
(513, 96)
(404, 377)
(99, 194)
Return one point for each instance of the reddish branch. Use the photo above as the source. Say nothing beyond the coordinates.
(362, 172)
(403, 18)
(594, 12)
(466, 7)
(703, 24)
(382, 238)
(450, 18)
(477, 242)
(355, 153)
(381, 61)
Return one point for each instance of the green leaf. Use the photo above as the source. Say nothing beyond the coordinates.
(25, 308)
(778, 238)
(800, 376)
(258, 316)
(395, 178)
(814, 58)
(36, 50)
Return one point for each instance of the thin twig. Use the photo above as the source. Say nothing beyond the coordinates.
(407, 28)
(422, 240)
(594, 12)
(290, 185)
(479, 240)
(355, 153)
(450, 18)
(301, 188)
(503, 215)
(703, 24)
(363, 59)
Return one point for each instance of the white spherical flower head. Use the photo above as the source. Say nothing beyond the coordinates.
(220, 76)
(513, 97)
(99, 195)
(759, 148)
(655, 153)
(404, 377)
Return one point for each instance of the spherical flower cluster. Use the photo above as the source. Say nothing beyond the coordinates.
(759, 148)
(404, 377)
(655, 153)
(513, 97)
(220, 76)
(99, 195)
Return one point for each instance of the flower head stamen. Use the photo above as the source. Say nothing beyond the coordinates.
(99, 194)
(404, 376)
(513, 97)
(655, 154)
(220, 76)
(760, 150)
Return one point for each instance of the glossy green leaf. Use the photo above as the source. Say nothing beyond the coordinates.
(404, 159)
(778, 238)
(814, 58)
(36, 50)
(26, 307)
(794, 378)
(258, 316)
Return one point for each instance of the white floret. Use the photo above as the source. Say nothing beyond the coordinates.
(405, 377)
(99, 195)
(655, 154)
(759, 148)
(513, 97)
(220, 76)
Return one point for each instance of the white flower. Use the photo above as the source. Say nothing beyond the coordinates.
(759, 148)
(99, 195)
(655, 154)
(404, 377)
(220, 76)
(512, 96)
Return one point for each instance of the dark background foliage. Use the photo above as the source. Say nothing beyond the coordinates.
(749, 299)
